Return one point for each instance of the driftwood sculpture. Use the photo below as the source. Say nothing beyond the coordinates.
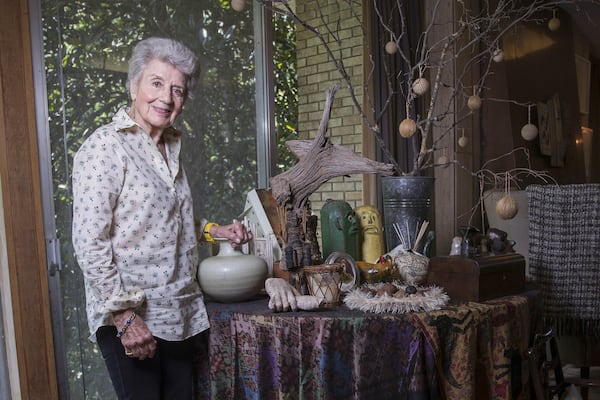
(319, 161)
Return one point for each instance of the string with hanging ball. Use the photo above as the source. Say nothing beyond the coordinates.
(463, 141)
(420, 86)
(474, 101)
(408, 126)
(498, 55)
(391, 47)
(529, 131)
(507, 207)
(554, 22)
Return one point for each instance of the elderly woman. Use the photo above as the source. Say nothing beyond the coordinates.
(134, 233)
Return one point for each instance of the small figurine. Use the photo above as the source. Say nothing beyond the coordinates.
(471, 237)
(369, 221)
(383, 270)
(499, 242)
(411, 266)
(456, 246)
(339, 231)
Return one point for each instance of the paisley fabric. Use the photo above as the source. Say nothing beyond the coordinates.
(468, 351)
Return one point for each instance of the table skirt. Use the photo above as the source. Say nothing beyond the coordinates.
(466, 351)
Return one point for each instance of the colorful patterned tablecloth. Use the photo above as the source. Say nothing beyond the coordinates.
(467, 351)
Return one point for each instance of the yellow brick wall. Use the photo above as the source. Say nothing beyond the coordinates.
(317, 73)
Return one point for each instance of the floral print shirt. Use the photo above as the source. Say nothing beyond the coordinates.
(133, 231)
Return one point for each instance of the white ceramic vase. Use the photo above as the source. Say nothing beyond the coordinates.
(232, 276)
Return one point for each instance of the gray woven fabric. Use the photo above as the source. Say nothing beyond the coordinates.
(564, 254)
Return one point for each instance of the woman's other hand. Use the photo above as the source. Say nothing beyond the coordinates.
(235, 232)
(137, 338)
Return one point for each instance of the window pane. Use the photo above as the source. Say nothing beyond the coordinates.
(286, 88)
(87, 45)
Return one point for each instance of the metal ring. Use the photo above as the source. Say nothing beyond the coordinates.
(128, 353)
(350, 268)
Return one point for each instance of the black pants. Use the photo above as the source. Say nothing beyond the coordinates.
(167, 376)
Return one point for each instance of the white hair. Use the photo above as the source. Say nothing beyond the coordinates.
(167, 50)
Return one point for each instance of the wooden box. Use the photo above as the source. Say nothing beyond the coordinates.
(478, 279)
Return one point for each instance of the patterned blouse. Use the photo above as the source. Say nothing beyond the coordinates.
(133, 231)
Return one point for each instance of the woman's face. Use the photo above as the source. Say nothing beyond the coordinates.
(158, 96)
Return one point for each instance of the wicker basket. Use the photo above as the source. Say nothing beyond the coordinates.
(324, 282)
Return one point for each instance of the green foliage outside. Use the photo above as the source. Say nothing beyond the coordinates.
(286, 90)
(87, 45)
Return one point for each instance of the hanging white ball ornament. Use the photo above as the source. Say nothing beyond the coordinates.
(238, 5)
(498, 55)
(474, 102)
(420, 86)
(463, 141)
(391, 47)
(529, 131)
(554, 24)
(507, 207)
(408, 128)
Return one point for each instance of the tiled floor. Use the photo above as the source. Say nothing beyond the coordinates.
(570, 370)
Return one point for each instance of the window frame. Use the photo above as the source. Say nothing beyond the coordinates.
(266, 143)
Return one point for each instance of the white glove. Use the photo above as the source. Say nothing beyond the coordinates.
(285, 297)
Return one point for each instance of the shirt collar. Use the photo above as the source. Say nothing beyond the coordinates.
(123, 121)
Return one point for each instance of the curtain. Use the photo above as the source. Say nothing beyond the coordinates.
(395, 16)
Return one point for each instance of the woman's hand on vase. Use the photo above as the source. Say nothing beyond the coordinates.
(235, 232)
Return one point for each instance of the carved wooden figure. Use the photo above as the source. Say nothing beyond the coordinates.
(319, 161)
